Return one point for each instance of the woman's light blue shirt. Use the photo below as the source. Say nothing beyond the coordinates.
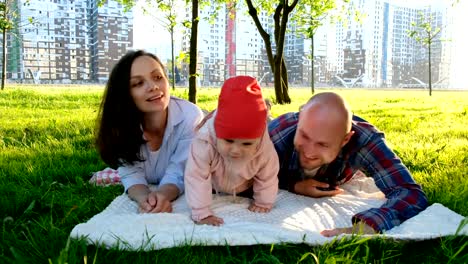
(166, 166)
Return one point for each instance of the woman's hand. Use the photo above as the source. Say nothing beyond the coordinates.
(158, 201)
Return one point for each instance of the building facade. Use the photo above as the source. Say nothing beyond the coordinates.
(73, 41)
(111, 35)
(228, 44)
(79, 41)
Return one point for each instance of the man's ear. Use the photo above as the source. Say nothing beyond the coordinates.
(347, 138)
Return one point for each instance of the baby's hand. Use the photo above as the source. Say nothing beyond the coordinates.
(211, 220)
(258, 209)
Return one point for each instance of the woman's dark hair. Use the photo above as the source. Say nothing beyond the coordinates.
(118, 132)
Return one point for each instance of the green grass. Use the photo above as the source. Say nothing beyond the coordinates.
(47, 155)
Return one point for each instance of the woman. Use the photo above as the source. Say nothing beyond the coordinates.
(145, 131)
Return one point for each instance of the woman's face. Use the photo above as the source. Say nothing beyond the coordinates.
(149, 86)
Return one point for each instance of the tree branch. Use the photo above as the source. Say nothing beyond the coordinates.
(265, 36)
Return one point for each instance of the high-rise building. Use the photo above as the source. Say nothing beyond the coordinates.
(13, 42)
(211, 46)
(68, 41)
(228, 44)
(359, 45)
(111, 35)
(294, 51)
(455, 52)
(377, 51)
(79, 41)
(409, 58)
(251, 58)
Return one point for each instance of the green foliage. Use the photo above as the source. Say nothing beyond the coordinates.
(426, 33)
(47, 155)
(310, 14)
(9, 25)
(5, 24)
(217, 4)
(5, 16)
(423, 30)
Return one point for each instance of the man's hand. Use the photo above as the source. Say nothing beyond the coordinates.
(309, 188)
(360, 228)
(258, 209)
(211, 220)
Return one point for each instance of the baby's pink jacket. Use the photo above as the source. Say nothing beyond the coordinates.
(205, 171)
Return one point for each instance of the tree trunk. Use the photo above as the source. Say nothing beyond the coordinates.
(4, 56)
(277, 82)
(173, 62)
(430, 71)
(193, 54)
(281, 82)
(278, 67)
(312, 60)
(284, 82)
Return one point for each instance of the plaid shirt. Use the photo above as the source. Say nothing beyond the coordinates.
(367, 152)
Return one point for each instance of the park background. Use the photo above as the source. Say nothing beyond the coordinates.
(47, 155)
(59, 57)
(324, 43)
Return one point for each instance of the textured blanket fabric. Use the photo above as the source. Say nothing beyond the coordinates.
(294, 219)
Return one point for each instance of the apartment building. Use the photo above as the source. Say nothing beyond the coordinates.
(111, 35)
(62, 41)
(251, 57)
(409, 58)
(377, 51)
(228, 44)
(79, 41)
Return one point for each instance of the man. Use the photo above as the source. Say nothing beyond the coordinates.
(323, 145)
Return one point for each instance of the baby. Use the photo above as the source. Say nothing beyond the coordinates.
(232, 153)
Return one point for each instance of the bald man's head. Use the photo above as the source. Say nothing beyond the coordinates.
(332, 107)
(324, 127)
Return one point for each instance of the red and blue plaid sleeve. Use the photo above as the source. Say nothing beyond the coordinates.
(405, 198)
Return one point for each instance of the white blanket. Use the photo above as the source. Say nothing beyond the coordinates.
(294, 219)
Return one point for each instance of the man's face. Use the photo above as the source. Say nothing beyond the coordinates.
(319, 139)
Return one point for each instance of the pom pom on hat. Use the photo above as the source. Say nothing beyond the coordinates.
(241, 111)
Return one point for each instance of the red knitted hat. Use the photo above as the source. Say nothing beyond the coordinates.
(241, 109)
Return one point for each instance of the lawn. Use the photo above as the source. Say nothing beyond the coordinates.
(47, 155)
